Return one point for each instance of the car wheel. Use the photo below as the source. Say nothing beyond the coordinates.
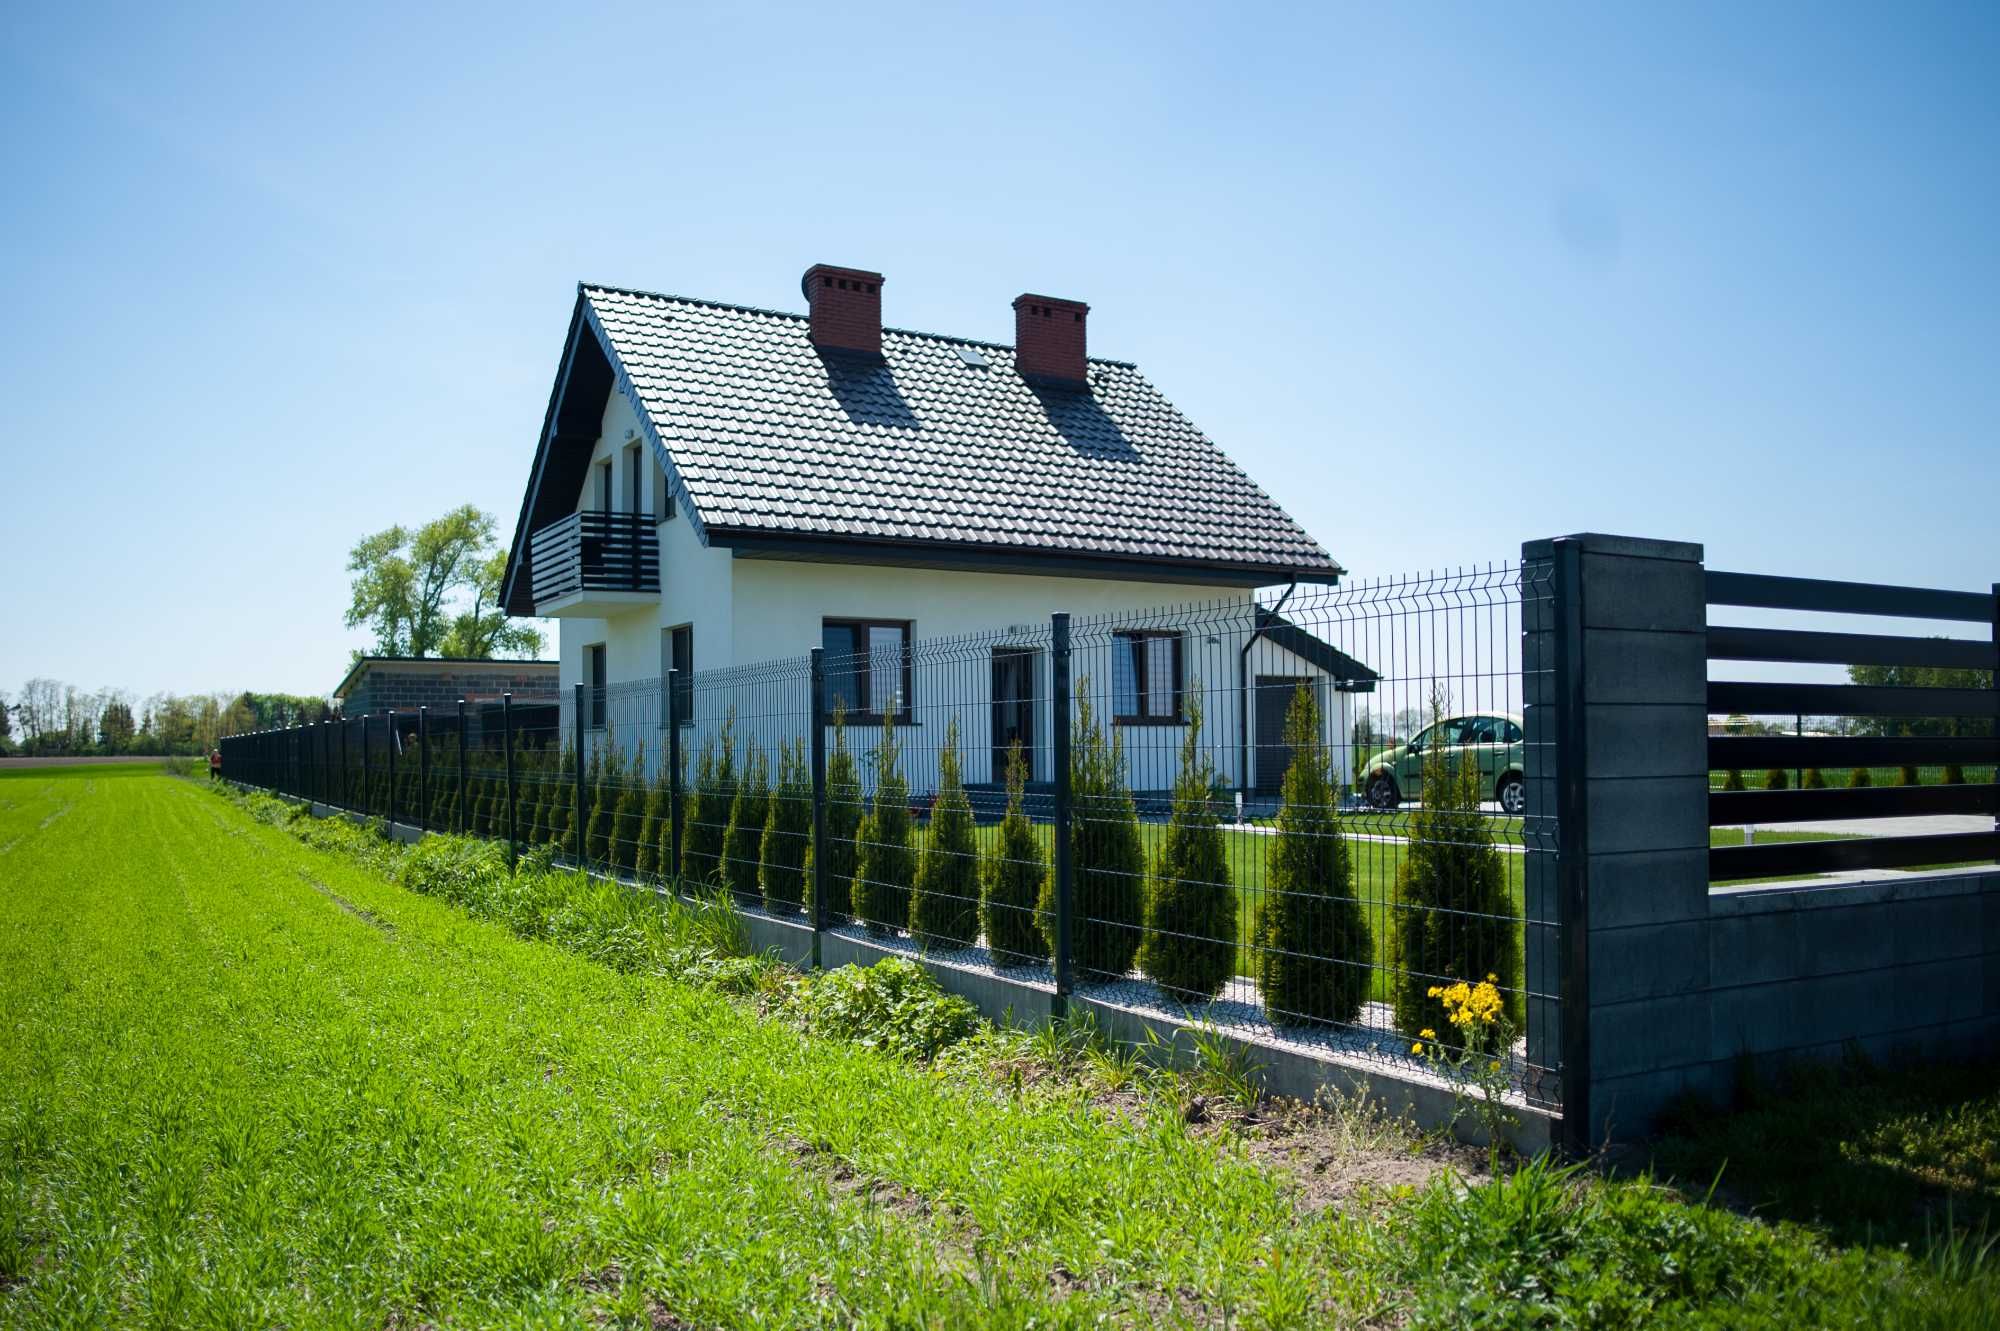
(1513, 794)
(1382, 792)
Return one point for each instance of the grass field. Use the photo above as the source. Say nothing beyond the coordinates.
(252, 1082)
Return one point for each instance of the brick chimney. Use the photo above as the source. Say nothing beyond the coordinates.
(846, 305)
(1048, 340)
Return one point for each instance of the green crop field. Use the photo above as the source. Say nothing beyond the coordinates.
(248, 1081)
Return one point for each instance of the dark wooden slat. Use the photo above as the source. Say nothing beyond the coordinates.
(1730, 643)
(1852, 598)
(1779, 859)
(1756, 698)
(1749, 752)
(1733, 808)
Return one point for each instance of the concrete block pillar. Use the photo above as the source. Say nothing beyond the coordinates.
(1614, 660)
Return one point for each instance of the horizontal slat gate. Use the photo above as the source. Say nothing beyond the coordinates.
(1973, 715)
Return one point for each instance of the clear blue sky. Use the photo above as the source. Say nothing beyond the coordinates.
(1443, 278)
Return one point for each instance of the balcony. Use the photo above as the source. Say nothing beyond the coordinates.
(594, 565)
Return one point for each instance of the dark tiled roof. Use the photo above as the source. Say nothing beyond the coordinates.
(772, 437)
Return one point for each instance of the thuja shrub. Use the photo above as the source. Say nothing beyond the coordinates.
(629, 786)
(1455, 920)
(602, 799)
(1777, 779)
(944, 909)
(1860, 777)
(1313, 946)
(707, 814)
(843, 825)
(1732, 780)
(885, 866)
(787, 832)
(656, 810)
(1190, 943)
(1012, 879)
(1954, 775)
(1814, 780)
(1107, 860)
(747, 811)
(562, 803)
(1909, 777)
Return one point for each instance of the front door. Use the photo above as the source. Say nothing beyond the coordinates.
(1274, 757)
(1013, 707)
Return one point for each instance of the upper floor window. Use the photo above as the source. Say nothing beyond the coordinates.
(1146, 677)
(635, 490)
(604, 486)
(663, 496)
(867, 667)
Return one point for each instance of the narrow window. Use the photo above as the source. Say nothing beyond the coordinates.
(1146, 677)
(635, 494)
(868, 667)
(680, 656)
(593, 660)
(604, 486)
(663, 498)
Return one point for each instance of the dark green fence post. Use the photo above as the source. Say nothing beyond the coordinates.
(674, 688)
(820, 850)
(1059, 703)
(581, 813)
(459, 804)
(392, 747)
(367, 804)
(346, 770)
(423, 769)
(507, 728)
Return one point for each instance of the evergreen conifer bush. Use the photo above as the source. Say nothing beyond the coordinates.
(1314, 952)
(708, 804)
(1777, 779)
(885, 866)
(653, 813)
(1107, 860)
(741, 838)
(944, 909)
(787, 832)
(1859, 777)
(597, 827)
(1190, 943)
(1732, 780)
(1814, 780)
(843, 826)
(1013, 877)
(1909, 777)
(1954, 775)
(1455, 921)
(562, 803)
(629, 785)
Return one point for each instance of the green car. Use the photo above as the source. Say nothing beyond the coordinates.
(1493, 739)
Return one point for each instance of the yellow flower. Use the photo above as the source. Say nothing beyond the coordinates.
(1491, 978)
(1494, 1066)
(1428, 1033)
(1417, 1048)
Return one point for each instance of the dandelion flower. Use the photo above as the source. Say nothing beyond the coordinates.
(1417, 1048)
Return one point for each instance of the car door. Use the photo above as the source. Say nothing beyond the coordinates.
(1410, 767)
(1484, 739)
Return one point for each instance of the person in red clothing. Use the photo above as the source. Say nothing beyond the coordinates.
(215, 764)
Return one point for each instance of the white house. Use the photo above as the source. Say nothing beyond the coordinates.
(717, 486)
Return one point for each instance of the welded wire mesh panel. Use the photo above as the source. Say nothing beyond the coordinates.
(1303, 816)
(746, 816)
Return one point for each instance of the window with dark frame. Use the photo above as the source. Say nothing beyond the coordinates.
(663, 497)
(604, 486)
(867, 667)
(593, 659)
(680, 656)
(635, 493)
(1146, 677)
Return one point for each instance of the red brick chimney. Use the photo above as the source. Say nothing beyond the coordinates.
(846, 306)
(1048, 339)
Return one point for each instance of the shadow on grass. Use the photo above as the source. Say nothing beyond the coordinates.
(1865, 1154)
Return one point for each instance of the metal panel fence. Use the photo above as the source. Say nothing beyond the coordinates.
(1295, 819)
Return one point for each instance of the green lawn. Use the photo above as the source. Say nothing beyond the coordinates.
(252, 1082)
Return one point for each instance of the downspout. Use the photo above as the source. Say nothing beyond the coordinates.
(1243, 688)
